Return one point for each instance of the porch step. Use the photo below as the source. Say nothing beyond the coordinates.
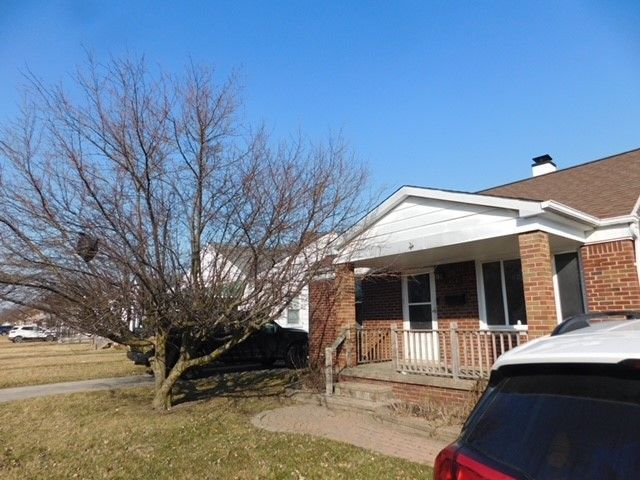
(364, 391)
(352, 403)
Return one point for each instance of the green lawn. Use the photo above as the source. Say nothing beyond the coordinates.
(116, 435)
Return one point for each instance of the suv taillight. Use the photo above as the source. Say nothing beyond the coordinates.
(453, 465)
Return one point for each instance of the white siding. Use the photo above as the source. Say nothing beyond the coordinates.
(427, 223)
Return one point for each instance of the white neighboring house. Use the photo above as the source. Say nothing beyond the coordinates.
(296, 315)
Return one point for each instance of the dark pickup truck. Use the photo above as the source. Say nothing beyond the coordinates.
(5, 329)
(268, 345)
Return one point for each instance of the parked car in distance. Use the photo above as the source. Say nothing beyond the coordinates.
(5, 329)
(268, 345)
(565, 406)
(23, 333)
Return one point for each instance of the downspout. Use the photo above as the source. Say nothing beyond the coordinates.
(635, 231)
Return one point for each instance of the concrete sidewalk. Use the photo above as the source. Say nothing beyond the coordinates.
(23, 393)
(357, 428)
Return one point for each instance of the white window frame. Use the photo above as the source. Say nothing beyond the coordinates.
(482, 306)
(405, 298)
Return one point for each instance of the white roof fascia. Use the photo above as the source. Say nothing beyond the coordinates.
(574, 214)
(565, 210)
(618, 220)
(524, 207)
(636, 207)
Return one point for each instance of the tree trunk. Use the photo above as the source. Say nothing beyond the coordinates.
(161, 399)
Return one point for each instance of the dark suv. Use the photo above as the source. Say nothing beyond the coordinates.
(268, 345)
(560, 407)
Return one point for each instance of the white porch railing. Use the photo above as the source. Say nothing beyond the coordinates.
(330, 358)
(452, 352)
(373, 345)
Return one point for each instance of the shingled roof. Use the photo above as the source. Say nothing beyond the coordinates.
(605, 188)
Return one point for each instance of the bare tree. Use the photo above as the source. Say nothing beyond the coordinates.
(141, 196)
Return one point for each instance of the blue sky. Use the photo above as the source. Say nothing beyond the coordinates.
(456, 95)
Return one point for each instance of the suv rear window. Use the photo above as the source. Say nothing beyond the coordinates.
(561, 422)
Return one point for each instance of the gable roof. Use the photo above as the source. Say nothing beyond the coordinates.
(605, 188)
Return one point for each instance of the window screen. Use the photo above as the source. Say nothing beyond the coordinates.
(569, 284)
(359, 301)
(419, 288)
(493, 293)
(515, 292)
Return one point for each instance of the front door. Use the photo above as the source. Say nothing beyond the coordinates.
(420, 316)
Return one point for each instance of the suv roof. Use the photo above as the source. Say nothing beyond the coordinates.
(612, 341)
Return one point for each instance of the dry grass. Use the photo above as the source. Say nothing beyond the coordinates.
(37, 363)
(439, 413)
(116, 435)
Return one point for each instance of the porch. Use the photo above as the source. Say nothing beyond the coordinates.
(456, 353)
(438, 285)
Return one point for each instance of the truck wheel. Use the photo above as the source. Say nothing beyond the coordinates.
(267, 362)
(50, 338)
(18, 339)
(296, 356)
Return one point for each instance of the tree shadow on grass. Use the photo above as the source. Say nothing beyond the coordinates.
(248, 381)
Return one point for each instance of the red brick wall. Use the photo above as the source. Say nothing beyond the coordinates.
(421, 394)
(321, 320)
(382, 301)
(331, 310)
(457, 279)
(537, 277)
(610, 276)
(382, 297)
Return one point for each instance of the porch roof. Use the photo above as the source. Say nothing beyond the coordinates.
(427, 220)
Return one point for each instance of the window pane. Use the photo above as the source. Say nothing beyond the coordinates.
(493, 293)
(359, 313)
(420, 317)
(419, 288)
(359, 291)
(515, 292)
(569, 285)
(293, 316)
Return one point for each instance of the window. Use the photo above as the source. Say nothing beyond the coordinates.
(419, 301)
(569, 284)
(504, 293)
(293, 312)
(359, 301)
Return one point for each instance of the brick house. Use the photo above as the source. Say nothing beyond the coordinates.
(433, 285)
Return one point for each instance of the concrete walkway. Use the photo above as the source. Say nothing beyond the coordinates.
(23, 393)
(359, 429)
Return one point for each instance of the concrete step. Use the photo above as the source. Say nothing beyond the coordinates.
(364, 391)
(342, 402)
(351, 403)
